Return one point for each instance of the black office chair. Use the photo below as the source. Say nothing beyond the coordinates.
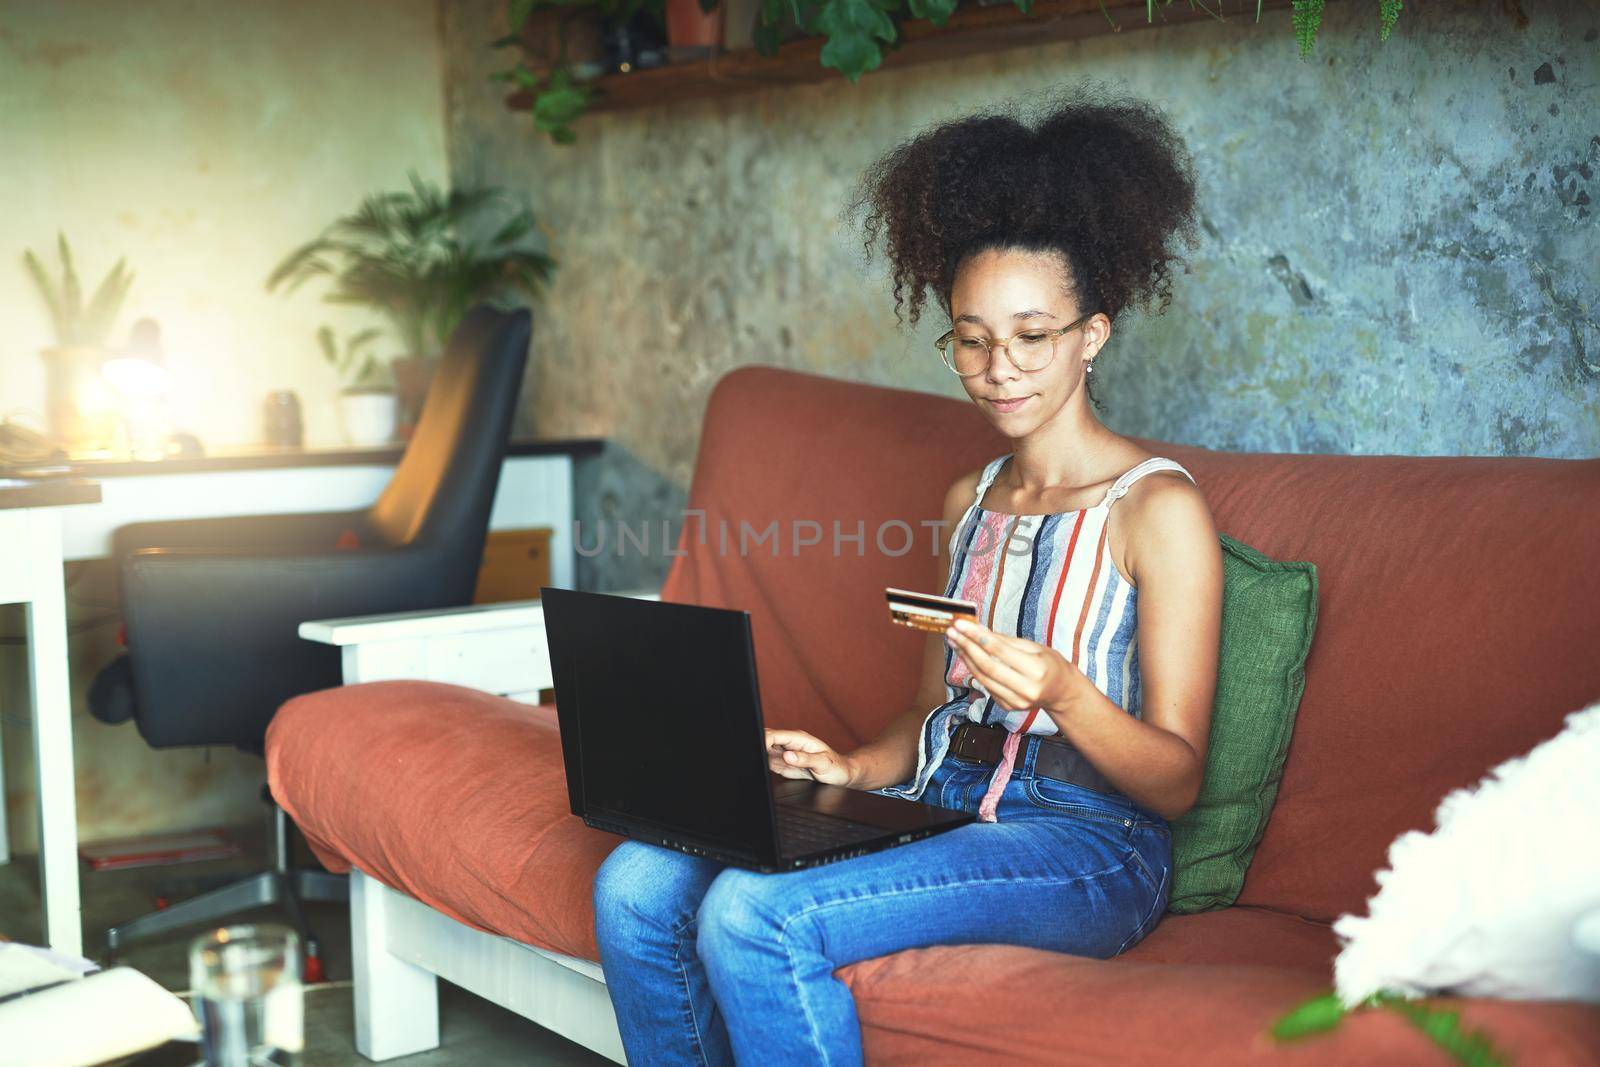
(212, 607)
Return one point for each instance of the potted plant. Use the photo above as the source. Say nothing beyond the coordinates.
(694, 28)
(368, 405)
(82, 408)
(421, 258)
(626, 34)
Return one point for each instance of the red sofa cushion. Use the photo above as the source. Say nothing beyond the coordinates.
(475, 822)
(1021, 1005)
(453, 796)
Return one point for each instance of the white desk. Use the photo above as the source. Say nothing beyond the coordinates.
(30, 574)
(535, 489)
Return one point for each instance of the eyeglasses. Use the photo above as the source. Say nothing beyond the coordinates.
(1030, 350)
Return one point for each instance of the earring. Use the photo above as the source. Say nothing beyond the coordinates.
(1088, 366)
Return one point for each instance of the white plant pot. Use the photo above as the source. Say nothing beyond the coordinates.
(369, 418)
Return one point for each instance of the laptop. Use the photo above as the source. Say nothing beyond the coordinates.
(663, 740)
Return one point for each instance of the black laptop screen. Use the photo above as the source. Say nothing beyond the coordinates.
(668, 722)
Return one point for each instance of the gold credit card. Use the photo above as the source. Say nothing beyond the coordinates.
(924, 611)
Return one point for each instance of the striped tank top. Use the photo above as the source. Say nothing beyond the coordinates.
(1047, 578)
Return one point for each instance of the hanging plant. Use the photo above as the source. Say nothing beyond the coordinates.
(857, 34)
(1307, 20)
(558, 95)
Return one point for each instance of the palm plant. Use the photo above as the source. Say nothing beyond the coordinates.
(422, 257)
(355, 363)
(79, 325)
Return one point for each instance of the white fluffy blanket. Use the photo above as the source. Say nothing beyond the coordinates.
(1490, 902)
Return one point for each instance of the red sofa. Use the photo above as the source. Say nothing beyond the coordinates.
(1458, 625)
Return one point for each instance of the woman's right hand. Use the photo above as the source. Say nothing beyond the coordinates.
(797, 754)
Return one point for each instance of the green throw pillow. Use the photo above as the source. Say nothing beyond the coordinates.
(1269, 613)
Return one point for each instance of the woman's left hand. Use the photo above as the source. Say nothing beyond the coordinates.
(1019, 674)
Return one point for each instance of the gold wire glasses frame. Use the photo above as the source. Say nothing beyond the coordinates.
(1029, 350)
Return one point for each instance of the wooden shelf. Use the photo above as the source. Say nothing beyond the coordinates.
(971, 30)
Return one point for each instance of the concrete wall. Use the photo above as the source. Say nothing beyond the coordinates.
(1399, 247)
(202, 141)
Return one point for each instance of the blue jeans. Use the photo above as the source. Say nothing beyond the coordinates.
(713, 964)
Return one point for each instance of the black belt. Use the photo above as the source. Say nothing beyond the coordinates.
(1057, 758)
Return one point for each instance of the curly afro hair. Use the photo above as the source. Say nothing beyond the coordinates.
(1106, 183)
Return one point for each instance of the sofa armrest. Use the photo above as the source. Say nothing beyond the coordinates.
(498, 648)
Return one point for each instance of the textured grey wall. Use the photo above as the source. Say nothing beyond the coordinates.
(1400, 254)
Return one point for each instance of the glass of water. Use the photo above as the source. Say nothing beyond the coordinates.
(246, 982)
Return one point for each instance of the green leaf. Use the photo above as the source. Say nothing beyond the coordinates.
(558, 107)
(47, 289)
(71, 291)
(514, 229)
(361, 340)
(851, 55)
(840, 17)
(708, 6)
(517, 12)
(558, 104)
(853, 29)
(1026, 7)
(101, 313)
(1323, 1012)
(1307, 18)
(935, 11)
(77, 323)
(1317, 1015)
(1443, 1027)
(1388, 12)
(330, 347)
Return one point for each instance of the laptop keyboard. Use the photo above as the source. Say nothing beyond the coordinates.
(801, 830)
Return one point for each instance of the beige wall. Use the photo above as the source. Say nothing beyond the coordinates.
(202, 141)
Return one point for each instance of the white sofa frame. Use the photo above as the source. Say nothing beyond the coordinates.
(402, 947)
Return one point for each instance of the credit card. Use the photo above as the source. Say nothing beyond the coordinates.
(925, 611)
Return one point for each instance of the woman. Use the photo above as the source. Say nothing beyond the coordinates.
(1073, 719)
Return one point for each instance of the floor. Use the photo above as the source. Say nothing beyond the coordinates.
(473, 1031)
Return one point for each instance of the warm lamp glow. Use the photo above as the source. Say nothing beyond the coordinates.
(136, 378)
(142, 382)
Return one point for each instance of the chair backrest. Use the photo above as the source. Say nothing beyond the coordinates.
(1457, 624)
(443, 489)
(209, 669)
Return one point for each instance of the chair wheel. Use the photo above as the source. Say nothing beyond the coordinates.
(111, 693)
